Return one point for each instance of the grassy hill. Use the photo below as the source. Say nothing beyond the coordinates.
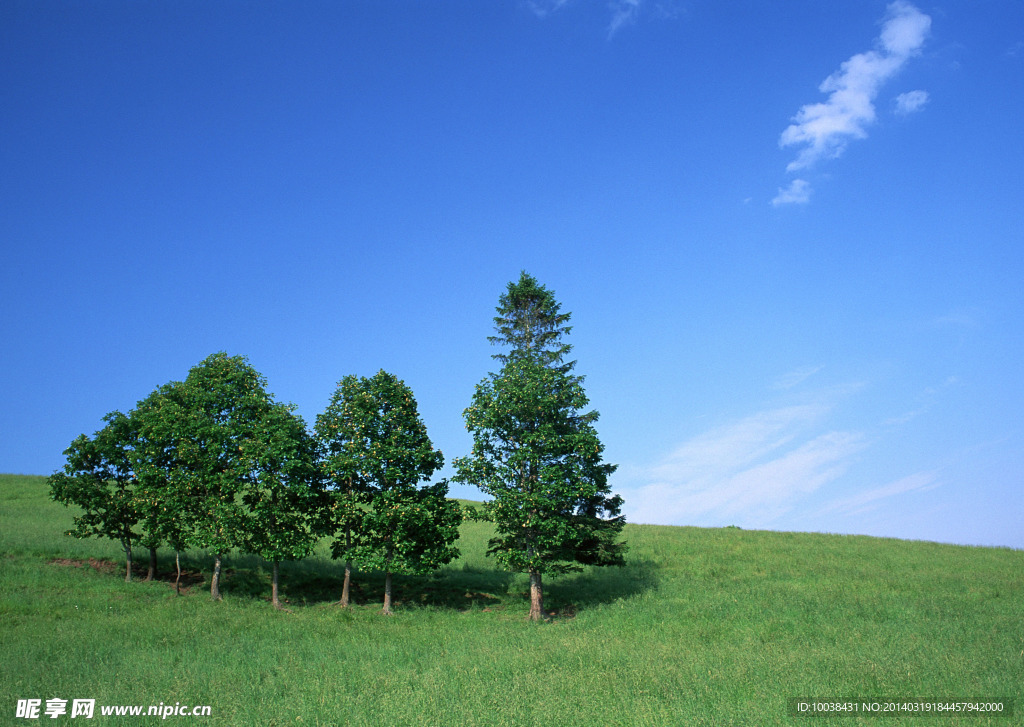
(704, 626)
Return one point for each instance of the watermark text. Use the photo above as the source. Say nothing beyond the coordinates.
(87, 709)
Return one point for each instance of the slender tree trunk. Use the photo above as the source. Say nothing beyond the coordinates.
(215, 580)
(348, 570)
(536, 597)
(128, 562)
(177, 564)
(387, 581)
(273, 587)
(152, 565)
(345, 586)
(387, 593)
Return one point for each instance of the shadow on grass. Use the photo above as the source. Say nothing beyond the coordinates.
(455, 589)
(318, 582)
(565, 595)
(189, 577)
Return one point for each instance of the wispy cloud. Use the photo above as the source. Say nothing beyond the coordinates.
(870, 499)
(908, 103)
(794, 467)
(796, 377)
(754, 468)
(627, 12)
(623, 12)
(736, 445)
(798, 192)
(543, 8)
(960, 318)
(926, 399)
(823, 130)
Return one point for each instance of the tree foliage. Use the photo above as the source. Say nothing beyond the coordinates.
(154, 460)
(341, 431)
(530, 323)
(342, 446)
(283, 497)
(376, 452)
(213, 462)
(202, 454)
(99, 478)
(536, 453)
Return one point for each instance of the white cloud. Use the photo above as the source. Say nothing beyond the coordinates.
(714, 453)
(796, 377)
(961, 318)
(908, 103)
(751, 470)
(870, 499)
(825, 129)
(624, 12)
(798, 192)
(904, 418)
(543, 8)
(769, 488)
(756, 494)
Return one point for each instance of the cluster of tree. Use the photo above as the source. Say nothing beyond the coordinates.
(214, 462)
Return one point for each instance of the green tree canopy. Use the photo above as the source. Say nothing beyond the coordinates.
(343, 446)
(284, 496)
(530, 323)
(376, 451)
(99, 478)
(538, 456)
(201, 454)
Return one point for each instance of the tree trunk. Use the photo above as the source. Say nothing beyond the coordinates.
(128, 562)
(536, 597)
(387, 593)
(152, 565)
(215, 580)
(177, 580)
(348, 570)
(273, 587)
(345, 586)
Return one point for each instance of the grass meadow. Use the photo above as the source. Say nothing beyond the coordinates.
(702, 627)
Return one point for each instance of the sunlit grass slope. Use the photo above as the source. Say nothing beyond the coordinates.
(704, 626)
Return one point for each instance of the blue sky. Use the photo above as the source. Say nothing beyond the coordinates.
(789, 233)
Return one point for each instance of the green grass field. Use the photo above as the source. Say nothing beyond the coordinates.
(703, 627)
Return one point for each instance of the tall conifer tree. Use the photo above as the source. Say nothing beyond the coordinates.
(536, 453)
(530, 323)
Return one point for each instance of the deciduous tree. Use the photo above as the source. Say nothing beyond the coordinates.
(99, 478)
(205, 431)
(162, 492)
(378, 453)
(283, 495)
(343, 445)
